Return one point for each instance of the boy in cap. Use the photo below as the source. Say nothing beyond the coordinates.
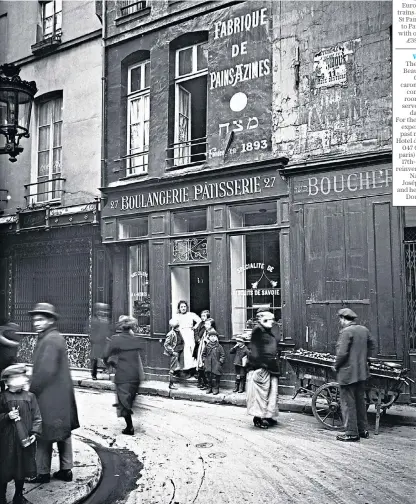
(240, 361)
(213, 356)
(353, 349)
(17, 404)
(173, 348)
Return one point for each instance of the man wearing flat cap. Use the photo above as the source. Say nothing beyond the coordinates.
(354, 347)
(52, 386)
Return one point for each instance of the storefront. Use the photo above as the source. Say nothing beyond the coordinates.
(219, 242)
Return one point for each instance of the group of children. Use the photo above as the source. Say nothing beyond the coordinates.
(209, 355)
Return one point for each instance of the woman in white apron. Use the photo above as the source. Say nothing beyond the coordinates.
(187, 321)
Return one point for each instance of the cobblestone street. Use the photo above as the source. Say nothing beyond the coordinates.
(202, 453)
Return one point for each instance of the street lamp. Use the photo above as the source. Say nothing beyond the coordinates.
(16, 98)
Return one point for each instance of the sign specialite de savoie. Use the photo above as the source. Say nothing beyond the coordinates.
(240, 84)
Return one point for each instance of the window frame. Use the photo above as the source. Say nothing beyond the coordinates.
(51, 186)
(142, 93)
(55, 28)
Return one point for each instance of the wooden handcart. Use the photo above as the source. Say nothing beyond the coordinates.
(317, 379)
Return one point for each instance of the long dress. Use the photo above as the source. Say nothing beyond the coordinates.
(186, 323)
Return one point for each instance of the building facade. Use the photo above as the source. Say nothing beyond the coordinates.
(248, 165)
(49, 223)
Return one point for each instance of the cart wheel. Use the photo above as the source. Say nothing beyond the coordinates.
(326, 406)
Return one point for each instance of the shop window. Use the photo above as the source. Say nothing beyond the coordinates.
(133, 228)
(139, 298)
(189, 222)
(49, 182)
(258, 214)
(255, 278)
(51, 18)
(138, 116)
(190, 111)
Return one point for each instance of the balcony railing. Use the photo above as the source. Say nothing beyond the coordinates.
(190, 152)
(129, 7)
(136, 164)
(46, 191)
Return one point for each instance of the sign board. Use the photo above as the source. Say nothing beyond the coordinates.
(240, 84)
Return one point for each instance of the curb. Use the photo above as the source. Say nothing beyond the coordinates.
(87, 476)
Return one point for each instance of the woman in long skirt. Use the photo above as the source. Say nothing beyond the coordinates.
(129, 372)
(187, 323)
(262, 379)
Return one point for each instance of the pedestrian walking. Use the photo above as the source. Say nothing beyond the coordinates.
(52, 385)
(213, 356)
(202, 376)
(9, 346)
(355, 345)
(100, 333)
(17, 405)
(188, 321)
(262, 379)
(173, 347)
(240, 352)
(129, 370)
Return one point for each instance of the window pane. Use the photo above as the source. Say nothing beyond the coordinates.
(259, 214)
(185, 61)
(48, 9)
(202, 56)
(44, 138)
(43, 164)
(135, 79)
(147, 75)
(189, 222)
(57, 161)
(139, 296)
(58, 5)
(57, 134)
(57, 113)
(255, 279)
(58, 21)
(45, 113)
(133, 228)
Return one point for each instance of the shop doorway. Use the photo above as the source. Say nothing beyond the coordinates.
(190, 283)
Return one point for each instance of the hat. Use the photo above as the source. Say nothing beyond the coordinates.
(127, 321)
(13, 370)
(212, 332)
(44, 309)
(347, 313)
(239, 339)
(173, 322)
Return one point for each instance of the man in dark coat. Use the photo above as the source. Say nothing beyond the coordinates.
(52, 386)
(100, 333)
(354, 347)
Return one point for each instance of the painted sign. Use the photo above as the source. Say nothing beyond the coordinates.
(343, 184)
(330, 65)
(186, 195)
(240, 83)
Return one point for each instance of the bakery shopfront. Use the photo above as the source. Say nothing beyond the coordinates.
(220, 242)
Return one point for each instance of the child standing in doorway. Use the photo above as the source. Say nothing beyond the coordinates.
(213, 356)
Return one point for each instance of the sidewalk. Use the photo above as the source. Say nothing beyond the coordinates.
(188, 390)
(87, 474)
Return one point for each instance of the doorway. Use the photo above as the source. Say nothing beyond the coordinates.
(190, 283)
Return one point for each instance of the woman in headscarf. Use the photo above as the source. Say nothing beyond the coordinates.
(188, 321)
(262, 379)
(129, 373)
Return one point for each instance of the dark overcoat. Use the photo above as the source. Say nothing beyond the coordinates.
(239, 352)
(129, 365)
(52, 385)
(99, 335)
(263, 350)
(354, 347)
(213, 357)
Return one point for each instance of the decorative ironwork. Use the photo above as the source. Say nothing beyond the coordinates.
(190, 249)
(410, 264)
(45, 191)
(131, 6)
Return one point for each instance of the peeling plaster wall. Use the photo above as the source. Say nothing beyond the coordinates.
(356, 117)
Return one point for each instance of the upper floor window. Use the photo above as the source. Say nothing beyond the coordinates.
(190, 129)
(51, 18)
(138, 114)
(131, 6)
(49, 162)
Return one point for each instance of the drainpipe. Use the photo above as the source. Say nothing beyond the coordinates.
(103, 94)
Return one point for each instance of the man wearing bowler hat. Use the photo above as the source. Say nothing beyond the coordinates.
(354, 347)
(52, 386)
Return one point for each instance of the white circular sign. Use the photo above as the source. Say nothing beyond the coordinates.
(238, 102)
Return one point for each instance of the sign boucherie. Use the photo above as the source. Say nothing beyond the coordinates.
(240, 84)
(343, 184)
(205, 192)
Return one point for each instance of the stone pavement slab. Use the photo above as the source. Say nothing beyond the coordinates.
(87, 474)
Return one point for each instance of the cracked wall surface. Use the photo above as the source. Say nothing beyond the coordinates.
(312, 121)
